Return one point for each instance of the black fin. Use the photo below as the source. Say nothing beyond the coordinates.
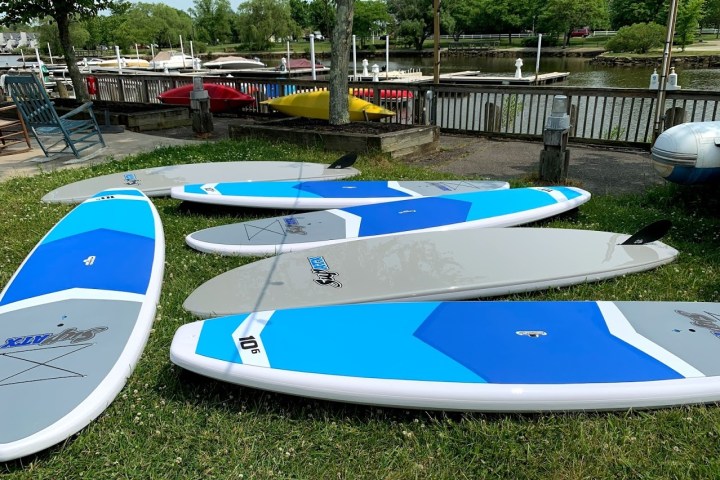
(344, 162)
(649, 233)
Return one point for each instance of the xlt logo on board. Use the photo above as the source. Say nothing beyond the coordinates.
(707, 320)
(322, 272)
(69, 335)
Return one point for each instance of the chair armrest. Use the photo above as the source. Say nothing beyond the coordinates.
(85, 106)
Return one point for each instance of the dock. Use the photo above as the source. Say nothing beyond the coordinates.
(479, 78)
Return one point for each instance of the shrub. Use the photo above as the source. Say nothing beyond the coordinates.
(547, 41)
(637, 38)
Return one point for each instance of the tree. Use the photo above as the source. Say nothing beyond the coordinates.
(711, 17)
(369, 16)
(300, 13)
(688, 18)
(562, 16)
(506, 16)
(629, 12)
(48, 35)
(341, 36)
(261, 20)
(152, 23)
(322, 15)
(64, 12)
(213, 20)
(464, 14)
(415, 20)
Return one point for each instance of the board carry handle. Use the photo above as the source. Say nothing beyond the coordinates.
(649, 233)
(345, 161)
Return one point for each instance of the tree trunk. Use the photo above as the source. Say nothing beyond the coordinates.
(341, 37)
(81, 94)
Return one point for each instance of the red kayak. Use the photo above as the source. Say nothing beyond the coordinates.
(384, 94)
(222, 98)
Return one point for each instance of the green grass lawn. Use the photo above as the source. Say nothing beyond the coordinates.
(168, 423)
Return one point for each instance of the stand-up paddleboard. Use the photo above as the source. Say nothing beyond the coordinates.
(487, 356)
(451, 265)
(157, 182)
(313, 195)
(496, 208)
(75, 318)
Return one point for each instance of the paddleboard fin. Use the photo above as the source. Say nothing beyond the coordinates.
(649, 233)
(345, 161)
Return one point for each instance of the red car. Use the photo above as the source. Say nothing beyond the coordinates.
(581, 32)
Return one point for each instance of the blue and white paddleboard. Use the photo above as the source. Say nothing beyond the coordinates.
(158, 181)
(495, 208)
(314, 195)
(75, 318)
(486, 356)
(452, 265)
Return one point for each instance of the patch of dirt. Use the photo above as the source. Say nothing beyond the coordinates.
(352, 127)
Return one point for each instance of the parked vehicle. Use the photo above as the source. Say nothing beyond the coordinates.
(581, 32)
(318, 36)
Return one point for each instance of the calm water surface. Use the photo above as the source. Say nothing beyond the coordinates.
(582, 72)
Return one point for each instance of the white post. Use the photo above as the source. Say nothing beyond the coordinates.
(50, 53)
(40, 72)
(137, 53)
(288, 56)
(387, 55)
(119, 60)
(537, 61)
(182, 51)
(192, 55)
(354, 61)
(312, 55)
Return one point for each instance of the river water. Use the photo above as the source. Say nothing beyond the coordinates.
(582, 72)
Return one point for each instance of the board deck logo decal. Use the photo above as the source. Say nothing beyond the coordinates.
(293, 226)
(34, 362)
(321, 269)
(71, 335)
(707, 320)
(131, 179)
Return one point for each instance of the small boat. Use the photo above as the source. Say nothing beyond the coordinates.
(125, 63)
(301, 63)
(173, 61)
(317, 105)
(688, 153)
(385, 95)
(222, 97)
(234, 63)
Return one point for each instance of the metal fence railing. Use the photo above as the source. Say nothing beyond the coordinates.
(598, 115)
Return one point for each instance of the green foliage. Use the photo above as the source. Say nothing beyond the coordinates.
(213, 20)
(261, 20)
(415, 20)
(49, 34)
(637, 38)
(370, 17)
(148, 23)
(562, 16)
(322, 16)
(687, 23)
(628, 12)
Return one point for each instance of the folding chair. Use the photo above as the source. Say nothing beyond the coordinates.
(77, 130)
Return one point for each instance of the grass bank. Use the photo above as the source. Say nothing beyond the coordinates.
(168, 423)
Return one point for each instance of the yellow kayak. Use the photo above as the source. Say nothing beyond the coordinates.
(317, 105)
